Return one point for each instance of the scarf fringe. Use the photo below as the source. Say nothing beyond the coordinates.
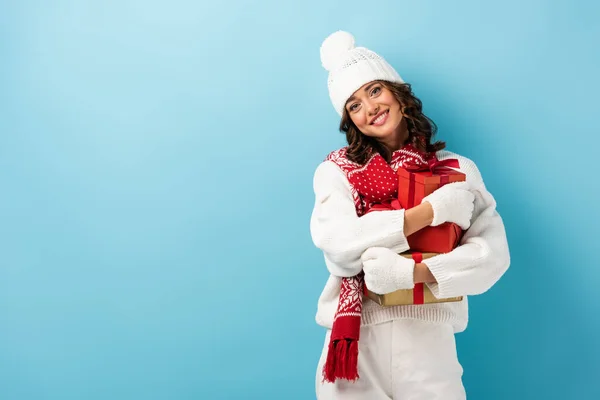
(342, 361)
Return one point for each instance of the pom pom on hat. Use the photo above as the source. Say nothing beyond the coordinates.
(350, 67)
(334, 47)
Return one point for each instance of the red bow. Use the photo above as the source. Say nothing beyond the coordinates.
(389, 204)
(433, 165)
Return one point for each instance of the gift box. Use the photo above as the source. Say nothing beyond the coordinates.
(416, 182)
(436, 239)
(420, 294)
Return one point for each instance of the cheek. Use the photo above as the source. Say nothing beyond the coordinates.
(389, 99)
(396, 110)
(359, 119)
(394, 105)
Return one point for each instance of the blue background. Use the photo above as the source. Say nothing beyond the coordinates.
(156, 164)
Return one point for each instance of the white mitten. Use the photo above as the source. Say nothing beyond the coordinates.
(452, 203)
(385, 271)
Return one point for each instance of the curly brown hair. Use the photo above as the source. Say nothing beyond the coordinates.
(421, 129)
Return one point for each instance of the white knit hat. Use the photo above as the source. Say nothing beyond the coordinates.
(351, 67)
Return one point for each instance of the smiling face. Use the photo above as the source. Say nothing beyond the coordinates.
(377, 113)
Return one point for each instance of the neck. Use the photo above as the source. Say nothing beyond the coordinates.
(399, 138)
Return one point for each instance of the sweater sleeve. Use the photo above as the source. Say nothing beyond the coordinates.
(482, 256)
(337, 230)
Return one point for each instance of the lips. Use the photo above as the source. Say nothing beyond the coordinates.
(380, 118)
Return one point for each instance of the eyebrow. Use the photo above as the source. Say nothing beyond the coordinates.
(366, 90)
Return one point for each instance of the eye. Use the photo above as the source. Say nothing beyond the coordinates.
(353, 107)
(375, 90)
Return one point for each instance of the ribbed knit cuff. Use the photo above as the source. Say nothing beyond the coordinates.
(443, 288)
(398, 241)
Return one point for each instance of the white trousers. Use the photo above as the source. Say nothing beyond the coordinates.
(400, 360)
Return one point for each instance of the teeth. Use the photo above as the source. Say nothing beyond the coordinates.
(380, 118)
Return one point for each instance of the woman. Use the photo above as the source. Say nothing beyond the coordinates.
(404, 352)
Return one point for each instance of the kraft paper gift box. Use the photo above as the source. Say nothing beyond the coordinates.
(416, 182)
(420, 294)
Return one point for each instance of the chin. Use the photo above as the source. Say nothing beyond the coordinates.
(387, 132)
(390, 132)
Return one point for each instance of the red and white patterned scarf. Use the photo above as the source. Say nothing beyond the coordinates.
(373, 185)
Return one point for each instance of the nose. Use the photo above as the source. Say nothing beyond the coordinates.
(372, 108)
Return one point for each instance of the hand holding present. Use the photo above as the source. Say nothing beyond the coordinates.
(380, 279)
(386, 271)
(452, 202)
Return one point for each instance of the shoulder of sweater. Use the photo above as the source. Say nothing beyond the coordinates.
(329, 173)
(331, 168)
(466, 166)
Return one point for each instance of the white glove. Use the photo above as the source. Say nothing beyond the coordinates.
(452, 203)
(385, 271)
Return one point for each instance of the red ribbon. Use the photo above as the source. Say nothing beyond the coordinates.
(411, 191)
(444, 179)
(389, 204)
(418, 290)
(436, 167)
(433, 165)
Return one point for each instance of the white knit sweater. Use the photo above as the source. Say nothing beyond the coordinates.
(471, 269)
